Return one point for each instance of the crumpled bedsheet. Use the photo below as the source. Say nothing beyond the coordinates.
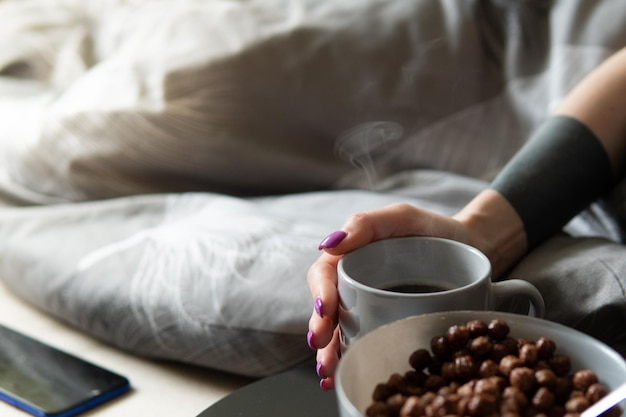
(167, 168)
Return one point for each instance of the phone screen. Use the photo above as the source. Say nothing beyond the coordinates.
(45, 381)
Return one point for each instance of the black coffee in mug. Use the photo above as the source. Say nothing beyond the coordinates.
(409, 288)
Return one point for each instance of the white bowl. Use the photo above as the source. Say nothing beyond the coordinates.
(378, 354)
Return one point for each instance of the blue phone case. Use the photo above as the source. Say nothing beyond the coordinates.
(47, 382)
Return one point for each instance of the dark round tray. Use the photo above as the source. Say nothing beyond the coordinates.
(295, 392)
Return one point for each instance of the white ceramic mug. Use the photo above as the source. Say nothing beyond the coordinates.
(439, 275)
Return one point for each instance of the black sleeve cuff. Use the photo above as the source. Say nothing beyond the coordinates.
(560, 171)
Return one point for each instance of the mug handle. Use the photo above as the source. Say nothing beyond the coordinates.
(511, 288)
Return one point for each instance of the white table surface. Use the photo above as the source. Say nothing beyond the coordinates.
(158, 388)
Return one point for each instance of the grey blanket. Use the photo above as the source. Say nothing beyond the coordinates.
(168, 168)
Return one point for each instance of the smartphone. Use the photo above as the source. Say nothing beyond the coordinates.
(47, 382)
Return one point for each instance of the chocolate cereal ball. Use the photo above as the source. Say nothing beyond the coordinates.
(479, 369)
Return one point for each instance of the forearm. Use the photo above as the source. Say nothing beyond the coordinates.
(573, 158)
(599, 102)
(566, 165)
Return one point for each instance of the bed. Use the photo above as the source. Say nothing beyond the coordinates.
(167, 168)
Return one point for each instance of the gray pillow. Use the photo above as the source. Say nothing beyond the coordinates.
(219, 281)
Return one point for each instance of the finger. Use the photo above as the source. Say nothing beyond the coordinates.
(322, 276)
(327, 361)
(322, 280)
(395, 220)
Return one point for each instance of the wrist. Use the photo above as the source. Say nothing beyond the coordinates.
(496, 229)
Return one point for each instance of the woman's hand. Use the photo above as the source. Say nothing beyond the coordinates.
(487, 223)
(360, 229)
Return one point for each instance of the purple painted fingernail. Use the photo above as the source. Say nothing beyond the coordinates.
(318, 369)
(318, 307)
(309, 340)
(332, 240)
(323, 384)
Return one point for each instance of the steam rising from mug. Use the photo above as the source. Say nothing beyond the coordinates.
(360, 145)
